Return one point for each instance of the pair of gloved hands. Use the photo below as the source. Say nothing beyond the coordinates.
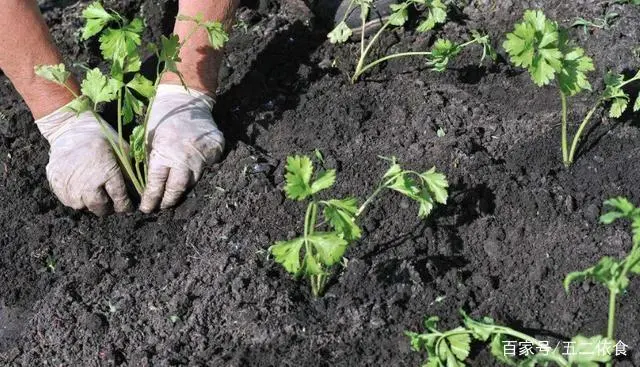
(84, 173)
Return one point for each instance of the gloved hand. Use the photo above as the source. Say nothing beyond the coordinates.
(83, 171)
(182, 138)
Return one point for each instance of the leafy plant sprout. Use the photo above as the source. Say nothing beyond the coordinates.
(451, 348)
(600, 23)
(323, 249)
(436, 12)
(542, 47)
(612, 273)
(120, 43)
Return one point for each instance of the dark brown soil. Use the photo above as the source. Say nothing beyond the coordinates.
(192, 286)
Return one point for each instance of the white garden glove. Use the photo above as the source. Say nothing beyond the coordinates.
(182, 139)
(83, 171)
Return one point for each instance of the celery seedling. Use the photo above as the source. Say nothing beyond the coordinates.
(612, 273)
(450, 348)
(323, 249)
(436, 12)
(542, 47)
(120, 44)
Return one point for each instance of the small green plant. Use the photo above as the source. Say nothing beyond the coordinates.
(599, 23)
(315, 252)
(543, 48)
(612, 273)
(436, 12)
(121, 46)
(451, 348)
(51, 263)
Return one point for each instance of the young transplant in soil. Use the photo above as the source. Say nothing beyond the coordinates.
(436, 12)
(451, 348)
(543, 48)
(120, 43)
(323, 249)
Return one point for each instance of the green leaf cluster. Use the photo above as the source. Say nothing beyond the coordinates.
(426, 188)
(312, 254)
(433, 12)
(298, 178)
(321, 249)
(610, 272)
(542, 47)
(451, 348)
(617, 96)
(215, 30)
(445, 349)
(53, 73)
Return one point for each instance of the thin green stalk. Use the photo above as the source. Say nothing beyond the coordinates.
(364, 52)
(387, 58)
(375, 193)
(612, 314)
(612, 319)
(139, 173)
(576, 137)
(565, 154)
(120, 132)
(159, 75)
(362, 69)
(124, 159)
(317, 281)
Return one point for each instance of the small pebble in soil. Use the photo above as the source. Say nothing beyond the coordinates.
(591, 213)
(492, 248)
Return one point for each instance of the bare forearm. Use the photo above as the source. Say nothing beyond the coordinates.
(24, 43)
(200, 63)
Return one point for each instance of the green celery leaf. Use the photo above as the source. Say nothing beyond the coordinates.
(399, 14)
(481, 330)
(287, 253)
(298, 177)
(216, 33)
(131, 107)
(136, 142)
(79, 105)
(459, 344)
(340, 213)
(96, 19)
(98, 88)
(436, 14)
(618, 106)
(572, 78)
(329, 246)
(169, 52)
(54, 73)
(340, 33)
(121, 44)
(142, 85)
(311, 266)
(442, 52)
(437, 183)
(534, 45)
(325, 180)
(586, 353)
